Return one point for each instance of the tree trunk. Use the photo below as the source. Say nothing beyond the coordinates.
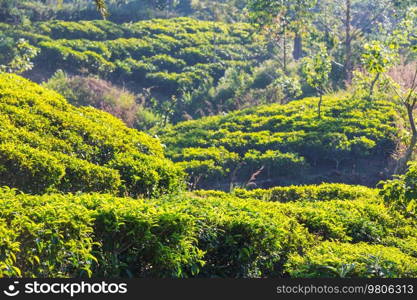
(298, 47)
(348, 42)
(371, 90)
(319, 105)
(402, 162)
(284, 52)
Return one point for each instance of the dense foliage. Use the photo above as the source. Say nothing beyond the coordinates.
(401, 192)
(47, 144)
(280, 184)
(171, 57)
(204, 235)
(278, 143)
(323, 192)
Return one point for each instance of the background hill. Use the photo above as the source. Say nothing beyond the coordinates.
(172, 60)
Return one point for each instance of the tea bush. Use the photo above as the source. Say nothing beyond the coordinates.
(169, 58)
(136, 52)
(206, 234)
(358, 219)
(47, 144)
(348, 221)
(286, 142)
(103, 236)
(243, 238)
(93, 235)
(322, 192)
(334, 259)
(351, 216)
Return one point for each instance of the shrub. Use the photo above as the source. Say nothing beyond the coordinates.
(334, 259)
(87, 177)
(348, 216)
(275, 162)
(146, 119)
(93, 235)
(347, 221)
(29, 169)
(243, 238)
(147, 175)
(50, 238)
(289, 139)
(168, 56)
(323, 192)
(140, 240)
(407, 245)
(401, 193)
(207, 234)
(47, 144)
(167, 63)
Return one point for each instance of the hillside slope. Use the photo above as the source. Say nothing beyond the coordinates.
(287, 144)
(47, 144)
(169, 55)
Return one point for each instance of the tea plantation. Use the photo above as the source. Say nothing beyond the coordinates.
(208, 139)
(85, 196)
(169, 55)
(287, 144)
(205, 235)
(49, 145)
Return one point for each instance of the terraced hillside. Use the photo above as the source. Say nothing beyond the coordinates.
(49, 145)
(67, 174)
(287, 144)
(169, 55)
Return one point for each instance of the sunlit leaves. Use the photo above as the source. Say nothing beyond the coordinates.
(377, 57)
(47, 144)
(317, 69)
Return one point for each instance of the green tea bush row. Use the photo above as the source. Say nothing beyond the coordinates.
(47, 144)
(183, 62)
(363, 224)
(288, 140)
(211, 235)
(335, 259)
(143, 52)
(353, 214)
(322, 192)
(103, 236)
(93, 235)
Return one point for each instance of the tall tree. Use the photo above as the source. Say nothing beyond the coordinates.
(405, 40)
(317, 69)
(285, 18)
(379, 57)
(349, 23)
(102, 8)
